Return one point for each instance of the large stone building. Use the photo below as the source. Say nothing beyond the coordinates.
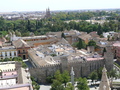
(65, 57)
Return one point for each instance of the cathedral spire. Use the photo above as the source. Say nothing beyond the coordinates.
(104, 84)
(48, 15)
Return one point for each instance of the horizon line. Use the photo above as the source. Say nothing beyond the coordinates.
(56, 10)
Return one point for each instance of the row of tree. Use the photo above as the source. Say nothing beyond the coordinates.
(82, 45)
(61, 82)
(57, 23)
(96, 75)
(82, 15)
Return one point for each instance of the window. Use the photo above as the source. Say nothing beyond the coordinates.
(10, 54)
(14, 53)
(18, 51)
(23, 51)
(5, 53)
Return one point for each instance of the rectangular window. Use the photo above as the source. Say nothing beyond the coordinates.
(10, 54)
(18, 51)
(14, 53)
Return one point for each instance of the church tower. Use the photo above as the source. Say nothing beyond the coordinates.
(48, 15)
(104, 84)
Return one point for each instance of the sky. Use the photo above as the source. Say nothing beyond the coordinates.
(41, 5)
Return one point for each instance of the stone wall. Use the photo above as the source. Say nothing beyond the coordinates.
(41, 73)
(81, 69)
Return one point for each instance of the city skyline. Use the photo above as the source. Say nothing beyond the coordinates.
(41, 5)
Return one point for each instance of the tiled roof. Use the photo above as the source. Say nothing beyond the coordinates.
(20, 43)
(85, 36)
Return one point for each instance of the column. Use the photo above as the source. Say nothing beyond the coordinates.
(12, 54)
(8, 54)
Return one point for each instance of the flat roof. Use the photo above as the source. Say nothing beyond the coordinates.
(8, 47)
(18, 87)
(34, 37)
(7, 67)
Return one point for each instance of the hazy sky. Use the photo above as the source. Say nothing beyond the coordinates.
(38, 5)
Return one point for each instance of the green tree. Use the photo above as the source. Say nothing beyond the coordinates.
(58, 76)
(65, 77)
(100, 31)
(99, 72)
(35, 85)
(108, 38)
(57, 85)
(112, 73)
(104, 50)
(82, 84)
(92, 43)
(63, 35)
(69, 87)
(81, 44)
(93, 76)
(50, 79)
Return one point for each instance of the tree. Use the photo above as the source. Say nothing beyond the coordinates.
(49, 79)
(104, 50)
(65, 77)
(92, 43)
(58, 76)
(57, 85)
(29, 25)
(93, 76)
(99, 72)
(82, 84)
(81, 44)
(69, 87)
(35, 85)
(108, 37)
(99, 32)
(112, 73)
(63, 35)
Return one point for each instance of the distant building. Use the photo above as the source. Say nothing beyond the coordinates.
(48, 15)
(111, 34)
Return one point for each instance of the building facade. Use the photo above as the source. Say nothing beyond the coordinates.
(8, 52)
(82, 66)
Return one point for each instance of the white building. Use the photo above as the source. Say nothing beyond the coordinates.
(106, 34)
(8, 52)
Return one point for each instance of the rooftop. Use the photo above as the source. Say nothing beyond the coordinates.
(6, 67)
(18, 87)
(34, 37)
(8, 47)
